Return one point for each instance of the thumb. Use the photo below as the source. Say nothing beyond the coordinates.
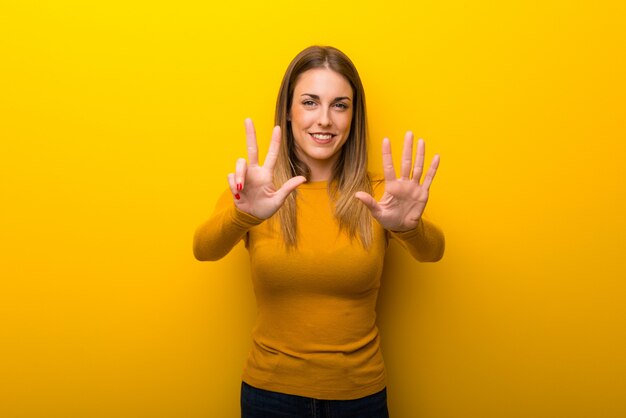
(289, 186)
(369, 202)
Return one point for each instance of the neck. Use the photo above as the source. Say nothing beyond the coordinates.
(321, 170)
(320, 176)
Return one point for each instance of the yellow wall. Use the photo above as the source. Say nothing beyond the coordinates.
(119, 121)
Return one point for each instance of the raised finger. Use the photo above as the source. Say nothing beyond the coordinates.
(253, 149)
(388, 169)
(418, 168)
(407, 157)
(240, 173)
(289, 186)
(432, 170)
(272, 154)
(369, 202)
(232, 186)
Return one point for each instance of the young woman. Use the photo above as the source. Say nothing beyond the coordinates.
(317, 225)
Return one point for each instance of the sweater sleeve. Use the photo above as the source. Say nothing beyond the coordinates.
(223, 230)
(425, 243)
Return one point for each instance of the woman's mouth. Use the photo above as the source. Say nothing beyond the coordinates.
(322, 137)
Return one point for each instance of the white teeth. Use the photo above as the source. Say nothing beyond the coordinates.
(321, 136)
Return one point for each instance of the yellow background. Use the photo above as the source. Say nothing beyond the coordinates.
(119, 121)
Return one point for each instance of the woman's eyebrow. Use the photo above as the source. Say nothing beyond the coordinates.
(315, 96)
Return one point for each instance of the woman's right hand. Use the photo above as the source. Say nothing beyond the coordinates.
(252, 185)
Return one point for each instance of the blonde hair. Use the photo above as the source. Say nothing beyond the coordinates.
(350, 172)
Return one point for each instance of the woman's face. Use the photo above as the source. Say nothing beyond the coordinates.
(321, 114)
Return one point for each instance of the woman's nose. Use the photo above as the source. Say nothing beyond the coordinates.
(324, 118)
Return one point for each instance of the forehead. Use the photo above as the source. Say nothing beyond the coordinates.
(322, 82)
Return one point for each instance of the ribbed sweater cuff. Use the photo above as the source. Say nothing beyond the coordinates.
(244, 220)
(411, 233)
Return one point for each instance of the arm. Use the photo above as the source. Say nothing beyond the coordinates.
(222, 231)
(425, 243)
(252, 199)
(403, 201)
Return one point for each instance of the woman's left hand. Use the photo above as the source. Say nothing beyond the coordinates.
(404, 200)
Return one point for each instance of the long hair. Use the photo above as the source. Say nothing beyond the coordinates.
(349, 173)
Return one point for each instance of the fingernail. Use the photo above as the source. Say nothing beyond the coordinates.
(239, 186)
(237, 196)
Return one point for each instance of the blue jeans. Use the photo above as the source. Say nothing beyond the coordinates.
(260, 403)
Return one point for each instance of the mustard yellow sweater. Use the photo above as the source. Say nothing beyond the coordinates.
(315, 333)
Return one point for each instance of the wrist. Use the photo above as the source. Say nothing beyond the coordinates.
(402, 230)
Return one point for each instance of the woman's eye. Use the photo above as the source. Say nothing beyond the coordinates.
(308, 103)
(341, 106)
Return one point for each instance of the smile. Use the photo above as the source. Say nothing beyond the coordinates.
(322, 138)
